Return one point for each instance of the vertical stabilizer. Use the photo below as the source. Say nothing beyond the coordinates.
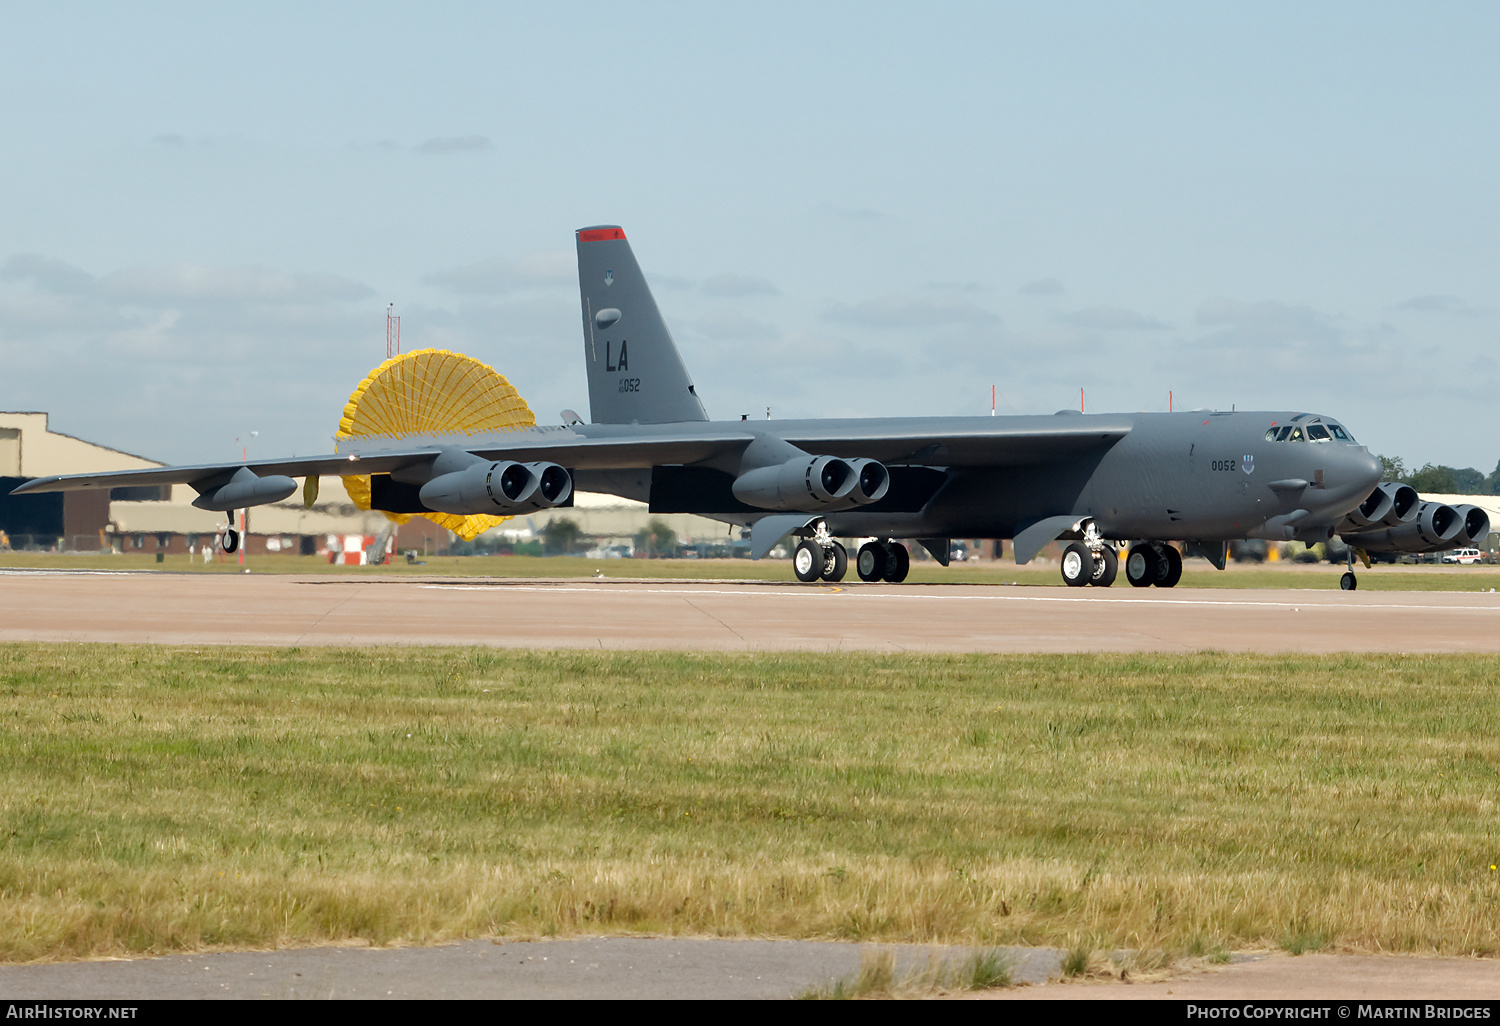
(635, 372)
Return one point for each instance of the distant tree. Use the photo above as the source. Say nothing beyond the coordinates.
(560, 536)
(1393, 469)
(657, 540)
(1492, 483)
(1468, 481)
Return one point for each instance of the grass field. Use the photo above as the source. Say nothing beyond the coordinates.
(1196, 574)
(158, 799)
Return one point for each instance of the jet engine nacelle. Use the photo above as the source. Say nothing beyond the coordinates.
(1435, 527)
(1476, 526)
(246, 488)
(501, 488)
(813, 483)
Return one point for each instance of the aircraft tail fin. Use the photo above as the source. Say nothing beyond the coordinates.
(635, 372)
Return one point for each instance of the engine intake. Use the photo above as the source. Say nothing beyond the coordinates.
(502, 487)
(813, 483)
(1434, 527)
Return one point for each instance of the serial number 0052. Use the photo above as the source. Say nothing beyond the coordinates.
(630, 384)
(1225, 465)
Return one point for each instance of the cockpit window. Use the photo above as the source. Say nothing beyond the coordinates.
(1296, 435)
(1340, 433)
(1270, 434)
(1281, 435)
(1318, 433)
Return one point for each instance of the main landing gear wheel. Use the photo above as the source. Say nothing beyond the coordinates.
(871, 562)
(897, 564)
(1077, 565)
(807, 562)
(1140, 566)
(1168, 567)
(231, 539)
(1106, 567)
(835, 563)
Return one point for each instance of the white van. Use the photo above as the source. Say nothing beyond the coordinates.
(1466, 556)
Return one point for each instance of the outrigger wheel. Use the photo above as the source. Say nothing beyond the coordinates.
(231, 539)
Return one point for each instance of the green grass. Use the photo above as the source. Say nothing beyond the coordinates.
(1197, 574)
(158, 799)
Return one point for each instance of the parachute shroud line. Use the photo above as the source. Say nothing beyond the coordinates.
(431, 392)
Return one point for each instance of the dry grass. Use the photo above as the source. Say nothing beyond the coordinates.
(158, 799)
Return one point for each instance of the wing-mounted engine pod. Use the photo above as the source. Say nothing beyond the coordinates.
(554, 484)
(1371, 512)
(1405, 503)
(813, 483)
(871, 481)
(1437, 524)
(1434, 527)
(500, 487)
(1476, 526)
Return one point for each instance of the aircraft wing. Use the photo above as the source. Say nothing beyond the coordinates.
(297, 466)
(1005, 441)
(954, 442)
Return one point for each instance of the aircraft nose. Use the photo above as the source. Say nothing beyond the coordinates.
(1359, 472)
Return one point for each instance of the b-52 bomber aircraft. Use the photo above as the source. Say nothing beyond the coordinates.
(1103, 483)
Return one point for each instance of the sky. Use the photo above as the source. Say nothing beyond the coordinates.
(844, 209)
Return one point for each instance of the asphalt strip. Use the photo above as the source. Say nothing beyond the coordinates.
(913, 596)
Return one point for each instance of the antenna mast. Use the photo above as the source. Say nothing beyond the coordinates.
(392, 332)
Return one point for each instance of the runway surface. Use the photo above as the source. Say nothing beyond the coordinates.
(730, 615)
(656, 968)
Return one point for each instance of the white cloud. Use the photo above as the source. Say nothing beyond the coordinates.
(734, 286)
(500, 275)
(911, 313)
(1111, 318)
(444, 145)
(731, 326)
(197, 283)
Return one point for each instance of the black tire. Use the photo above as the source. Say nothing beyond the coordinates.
(1169, 568)
(1140, 566)
(807, 562)
(1348, 582)
(898, 564)
(1077, 565)
(1106, 567)
(871, 562)
(231, 540)
(835, 563)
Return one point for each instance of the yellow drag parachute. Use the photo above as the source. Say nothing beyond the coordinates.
(431, 392)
